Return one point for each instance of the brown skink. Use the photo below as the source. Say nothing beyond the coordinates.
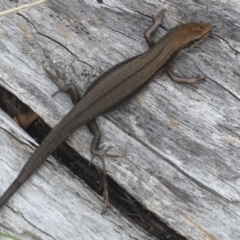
(113, 88)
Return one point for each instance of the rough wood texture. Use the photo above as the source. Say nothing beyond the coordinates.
(179, 144)
(53, 204)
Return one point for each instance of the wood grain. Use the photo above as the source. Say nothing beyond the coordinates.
(179, 144)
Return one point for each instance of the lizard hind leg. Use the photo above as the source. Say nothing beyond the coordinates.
(101, 153)
(93, 127)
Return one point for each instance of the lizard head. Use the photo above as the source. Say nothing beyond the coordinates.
(190, 33)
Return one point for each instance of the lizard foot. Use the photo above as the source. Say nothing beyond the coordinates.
(105, 200)
(101, 153)
(192, 80)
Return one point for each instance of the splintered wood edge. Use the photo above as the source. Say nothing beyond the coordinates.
(23, 7)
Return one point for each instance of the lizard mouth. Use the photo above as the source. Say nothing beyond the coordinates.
(198, 40)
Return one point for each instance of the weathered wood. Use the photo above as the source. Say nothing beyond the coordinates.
(53, 204)
(179, 144)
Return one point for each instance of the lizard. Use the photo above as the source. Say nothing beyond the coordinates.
(111, 89)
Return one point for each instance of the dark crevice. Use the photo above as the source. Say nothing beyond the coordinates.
(119, 198)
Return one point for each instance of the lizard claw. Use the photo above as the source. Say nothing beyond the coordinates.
(198, 79)
(159, 17)
(106, 203)
(176, 78)
(195, 79)
(101, 153)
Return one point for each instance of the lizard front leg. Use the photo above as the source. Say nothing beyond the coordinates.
(148, 37)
